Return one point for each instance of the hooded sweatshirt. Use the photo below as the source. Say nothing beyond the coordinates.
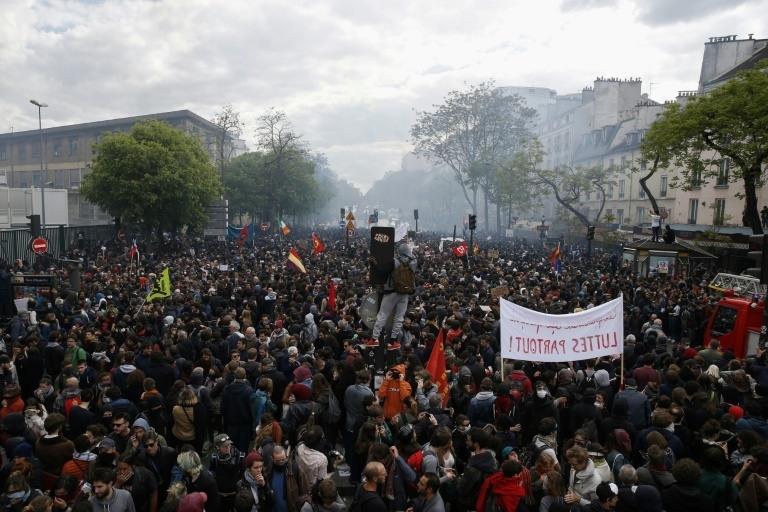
(480, 411)
(120, 501)
(393, 392)
(508, 491)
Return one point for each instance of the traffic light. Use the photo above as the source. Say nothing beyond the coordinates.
(416, 214)
(590, 232)
(34, 225)
(472, 221)
(758, 253)
(343, 211)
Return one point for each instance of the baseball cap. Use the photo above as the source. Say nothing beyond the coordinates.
(221, 439)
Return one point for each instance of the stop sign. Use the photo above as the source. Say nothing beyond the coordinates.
(40, 245)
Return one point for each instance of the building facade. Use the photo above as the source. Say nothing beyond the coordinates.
(68, 152)
(608, 124)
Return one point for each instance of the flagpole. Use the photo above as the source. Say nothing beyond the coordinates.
(621, 382)
(141, 307)
(502, 369)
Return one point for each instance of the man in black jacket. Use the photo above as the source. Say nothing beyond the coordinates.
(480, 466)
(235, 411)
(227, 464)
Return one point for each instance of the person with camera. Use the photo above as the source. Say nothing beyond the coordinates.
(393, 391)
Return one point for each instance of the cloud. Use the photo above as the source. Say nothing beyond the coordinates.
(578, 5)
(665, 12)
(349, 74)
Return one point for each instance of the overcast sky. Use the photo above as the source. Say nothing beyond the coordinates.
(348, 73)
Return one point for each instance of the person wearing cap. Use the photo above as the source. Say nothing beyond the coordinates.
(226, 464)
(235, 411)
(607, 497)
(298, 412)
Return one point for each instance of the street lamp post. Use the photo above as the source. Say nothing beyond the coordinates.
(40, 107)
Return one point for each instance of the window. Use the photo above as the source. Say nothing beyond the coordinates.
(620, 215)
(724, 168)
(610, 191)
(719, 217)
(663, 186)
(622, 186)
(72, 146)
(725, 319)
(589, 195)
(643, 164)
(57, 149)
(693, 210)
(610, 163)
(641, 193)
(75, 178)
(696, 179)
(640, 214)
(22, 152)
(3, 152)
(36, 150)
(623, 162)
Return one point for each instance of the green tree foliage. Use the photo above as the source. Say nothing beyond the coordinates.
(294, 192)
(473, 132)
(155, 176)
(732, 122)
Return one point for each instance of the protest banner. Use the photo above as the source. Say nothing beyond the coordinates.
(532, 336)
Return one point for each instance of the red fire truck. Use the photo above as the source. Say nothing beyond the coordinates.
(738, 316)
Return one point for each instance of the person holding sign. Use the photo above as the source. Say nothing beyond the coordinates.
(400, 285)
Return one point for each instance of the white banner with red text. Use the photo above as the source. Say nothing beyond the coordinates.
(532, 336)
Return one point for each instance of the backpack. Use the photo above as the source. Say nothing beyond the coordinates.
(307, 424)
(332, 414)
(403, 278)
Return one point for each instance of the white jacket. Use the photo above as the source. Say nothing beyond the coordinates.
(585, 482)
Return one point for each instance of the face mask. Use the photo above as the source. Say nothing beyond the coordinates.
(599, 405)
(18, 495)
(541, 393)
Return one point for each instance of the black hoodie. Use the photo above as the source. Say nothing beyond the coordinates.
(480, 466)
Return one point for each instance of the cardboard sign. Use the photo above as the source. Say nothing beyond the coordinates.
(493, 254)
(499, 291)
(533, 336)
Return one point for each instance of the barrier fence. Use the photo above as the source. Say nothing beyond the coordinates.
(16, 243)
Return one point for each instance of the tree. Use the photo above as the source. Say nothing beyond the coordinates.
(514, 183)
(731, 121)
(282, 146)
(155, 176)
(569, 184)
(473, 132)
(230, 128)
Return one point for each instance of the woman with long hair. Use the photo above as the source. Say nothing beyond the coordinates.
(189, 422)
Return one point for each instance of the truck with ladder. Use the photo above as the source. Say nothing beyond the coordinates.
(737, 320)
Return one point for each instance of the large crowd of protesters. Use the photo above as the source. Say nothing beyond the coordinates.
(248, 390)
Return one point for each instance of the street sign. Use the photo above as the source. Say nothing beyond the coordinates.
(350, 217)
(40, 245)
(350, 232)
(350, 225)
(38, 280)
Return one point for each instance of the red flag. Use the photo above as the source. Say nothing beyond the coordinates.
(436, 365)
(317, 245)
(331, 295)
(460, 251)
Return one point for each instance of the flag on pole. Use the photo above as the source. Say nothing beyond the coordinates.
(285, 228)
(134, 250)
(436, 366)
(554, 259)
(460, 251)
(293, 259)
(317, 244)
(162, 287)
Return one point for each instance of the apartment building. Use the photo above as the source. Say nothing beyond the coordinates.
(68, 151)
